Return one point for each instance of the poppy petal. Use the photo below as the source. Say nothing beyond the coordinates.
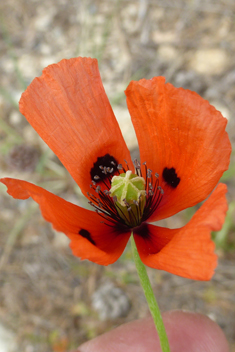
(90, 239)
(69, 109)
(188, 251)
(182, 138)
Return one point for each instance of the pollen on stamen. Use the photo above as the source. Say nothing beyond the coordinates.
(126, 203)
(109, 170)
(149, 173)
(136, 164)
(104, 170)
(137, 167)
(98, 188)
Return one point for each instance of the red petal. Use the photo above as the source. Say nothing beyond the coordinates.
(178, 129)
(71, 219)
(69, 109)
(188, 251)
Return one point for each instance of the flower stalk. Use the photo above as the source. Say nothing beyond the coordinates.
(151, 300)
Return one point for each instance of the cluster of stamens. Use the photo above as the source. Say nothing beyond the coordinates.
(129, 214)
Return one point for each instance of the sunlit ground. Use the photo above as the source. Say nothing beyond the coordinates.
(47, 295)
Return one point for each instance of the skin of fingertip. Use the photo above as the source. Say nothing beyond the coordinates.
(194, 332)
(186, 332)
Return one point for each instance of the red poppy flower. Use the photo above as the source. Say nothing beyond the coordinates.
(184, 150)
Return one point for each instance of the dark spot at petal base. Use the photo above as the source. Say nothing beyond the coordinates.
(103, 167)
(142, 230)
(170, 176)
(86, 234)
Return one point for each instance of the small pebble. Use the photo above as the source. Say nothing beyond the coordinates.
(111, 302)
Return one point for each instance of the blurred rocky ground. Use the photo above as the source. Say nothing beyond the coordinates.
(49, 300)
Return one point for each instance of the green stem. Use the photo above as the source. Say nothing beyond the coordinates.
(152, 303)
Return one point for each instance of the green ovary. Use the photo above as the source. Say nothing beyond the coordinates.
(127, 188)
(130, 194)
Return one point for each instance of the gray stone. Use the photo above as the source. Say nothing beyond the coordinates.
(110, 302)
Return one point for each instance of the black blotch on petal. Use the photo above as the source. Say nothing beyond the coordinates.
(170, 176)
(142, 230)
(86, 234)
(107, 161)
